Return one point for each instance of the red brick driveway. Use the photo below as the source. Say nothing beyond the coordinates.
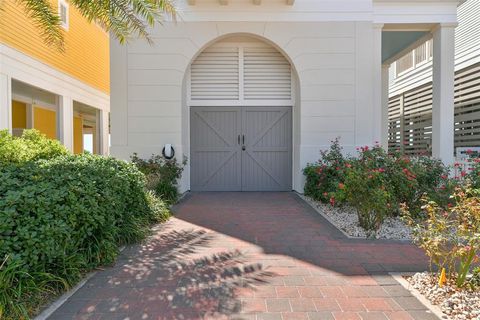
(251, 256)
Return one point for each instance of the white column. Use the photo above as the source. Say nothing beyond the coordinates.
(5, 102)
(103, 132)
(443, 92)
(377, 84)
(385, 85)
(65, 121)
(30, 116)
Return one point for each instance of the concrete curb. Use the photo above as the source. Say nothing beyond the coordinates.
(54, 306)
(399, 277)
(63, 298)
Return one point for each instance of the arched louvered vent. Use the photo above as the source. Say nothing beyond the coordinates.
(214, 75)
(267, 75)
(241, 73)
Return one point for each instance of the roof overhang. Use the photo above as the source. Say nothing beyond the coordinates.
(227, 2)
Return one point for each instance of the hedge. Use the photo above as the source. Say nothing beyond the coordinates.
(62, 215)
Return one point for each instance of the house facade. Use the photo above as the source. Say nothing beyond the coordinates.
(64, 94)
(251, 90)
(410, 91)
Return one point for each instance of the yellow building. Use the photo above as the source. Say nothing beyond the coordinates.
(64, 94)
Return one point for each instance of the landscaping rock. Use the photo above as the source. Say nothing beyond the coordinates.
(346, 219)
(456, 304)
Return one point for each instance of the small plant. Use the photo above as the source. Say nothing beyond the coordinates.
(474, 281)
(451, 236)
(162, 175)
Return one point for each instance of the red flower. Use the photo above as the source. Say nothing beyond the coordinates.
(348, 165)
(463, 173)
(332, 201)
(381, 170)
(341, 186)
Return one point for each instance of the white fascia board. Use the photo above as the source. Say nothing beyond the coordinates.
(419, 11)
(281, 11)
(26, 69)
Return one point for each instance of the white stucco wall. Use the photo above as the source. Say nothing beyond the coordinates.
(330, 45)
(333, 61)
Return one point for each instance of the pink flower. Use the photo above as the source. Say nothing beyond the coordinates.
(332, 201)
(341, 186)
(381, 170)
(463, 173)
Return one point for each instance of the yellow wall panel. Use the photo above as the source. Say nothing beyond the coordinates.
(77, 135)
(19, 115)
(45, 121)
(86, 55)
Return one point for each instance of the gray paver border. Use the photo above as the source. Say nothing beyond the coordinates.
(63, 298)
(399, 277)
(50, 309)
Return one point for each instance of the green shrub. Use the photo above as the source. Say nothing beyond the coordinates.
(162, 175)
(325, 176)
(368, 192)
(32, 145)
(376, 183)
(62, 216)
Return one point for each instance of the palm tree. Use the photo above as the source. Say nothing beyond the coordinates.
(123, 18)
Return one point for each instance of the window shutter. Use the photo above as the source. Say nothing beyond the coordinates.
(214, 75)
(267, 75)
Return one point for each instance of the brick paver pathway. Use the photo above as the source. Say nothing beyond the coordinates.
(260, 256)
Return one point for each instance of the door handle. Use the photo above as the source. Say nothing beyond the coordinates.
(238, 139)
(243, 139)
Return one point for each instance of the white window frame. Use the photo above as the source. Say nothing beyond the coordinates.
(65, 24)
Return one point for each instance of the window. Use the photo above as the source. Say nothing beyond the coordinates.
(63, 13)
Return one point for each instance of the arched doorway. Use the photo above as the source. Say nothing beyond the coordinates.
(240, 96)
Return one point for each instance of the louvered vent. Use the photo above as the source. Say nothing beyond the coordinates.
(214, 75)
(267, 75)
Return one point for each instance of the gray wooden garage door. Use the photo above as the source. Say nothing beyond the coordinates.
(241, 148)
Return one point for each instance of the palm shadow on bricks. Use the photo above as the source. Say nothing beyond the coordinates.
(167, 277)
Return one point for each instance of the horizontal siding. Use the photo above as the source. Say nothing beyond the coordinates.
(467, 34)
(86, 55)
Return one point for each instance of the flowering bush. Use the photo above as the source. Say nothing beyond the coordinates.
(451, 236)
(368, 192)
(375, 183)
(326, 177)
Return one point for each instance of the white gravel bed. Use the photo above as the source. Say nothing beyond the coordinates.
(455, 304)
(346, 219)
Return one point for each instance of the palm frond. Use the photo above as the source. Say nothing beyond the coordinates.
(46, 19)
(123, 18)
(126, 18)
